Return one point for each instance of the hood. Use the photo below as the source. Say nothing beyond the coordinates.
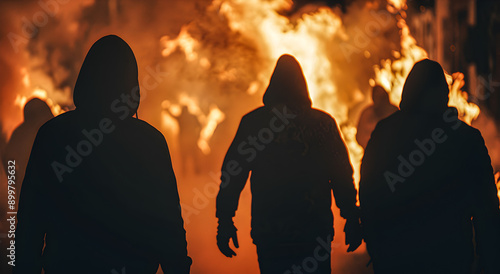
(425, 89)
(287, 85)
(108, 72)
(37, 111)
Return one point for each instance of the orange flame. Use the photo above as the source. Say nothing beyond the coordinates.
(209, 121)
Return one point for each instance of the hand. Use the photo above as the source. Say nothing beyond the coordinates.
(226, 231)
(353, 234)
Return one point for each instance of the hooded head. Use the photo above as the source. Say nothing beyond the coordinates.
(380, 96)
(108, 72)
(287, 85)
(425, 89)
(37, 111)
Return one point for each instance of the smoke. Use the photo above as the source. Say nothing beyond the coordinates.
(44, 42)
(217, 54)
(233, 62)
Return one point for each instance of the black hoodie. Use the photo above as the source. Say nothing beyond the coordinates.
(296, 156)
(424, 175)
(108, 73)
(99, 184)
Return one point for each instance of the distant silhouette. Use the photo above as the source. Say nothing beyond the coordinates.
(189, 133)
(380, 109)
(99, 187)
(36, 113)
(4, 222)
(296, 157)
(424, 175)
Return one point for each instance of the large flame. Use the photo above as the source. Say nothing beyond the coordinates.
(328, 46)
(310, 38)
(219, 65)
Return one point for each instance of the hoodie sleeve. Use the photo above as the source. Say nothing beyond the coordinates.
(486, 212)
(174, 257)
(234, 174)
(342, 181)
(31, 225)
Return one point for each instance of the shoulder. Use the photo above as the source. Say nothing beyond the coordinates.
(57, 123)
(146, 129)
(256, 114)
(322, 115)
(394, 118)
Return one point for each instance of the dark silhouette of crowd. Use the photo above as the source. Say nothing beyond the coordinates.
(100, 195)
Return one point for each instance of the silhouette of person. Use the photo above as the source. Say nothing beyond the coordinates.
(371, 115)
(426, 181)
(4, 223)
(297, 157)
(36, 113)
(189, 132)
(99, 189)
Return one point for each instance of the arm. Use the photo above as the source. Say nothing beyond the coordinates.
(175, 258)
(344, 190)
(234, 174)
(342, 181)
(31, 226)
(486, 212)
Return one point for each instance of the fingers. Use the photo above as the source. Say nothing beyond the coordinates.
(223, 245)
(353, 246)
(235, 240)
(226, 250)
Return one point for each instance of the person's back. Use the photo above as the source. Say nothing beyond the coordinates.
(100, 183)
(296, 156)
(424, 175)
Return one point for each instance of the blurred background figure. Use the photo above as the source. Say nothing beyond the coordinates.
(189, 133)
(371, 115)
(36, 113)
(18, 148)
(426, 184)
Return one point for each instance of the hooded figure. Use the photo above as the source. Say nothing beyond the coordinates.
(371, 115)
(36, 113)
(426, 181)
(296, 157)
(99, 189)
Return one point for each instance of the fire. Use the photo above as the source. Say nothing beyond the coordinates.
(341, 58)
(40, 93)
(184, 41)
(219, 65)
(497, 181)
(208, 121)
(392, 74)
(309, 39)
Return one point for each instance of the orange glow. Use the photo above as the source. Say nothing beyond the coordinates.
(208, 121)
(21, 100)
(219, 63)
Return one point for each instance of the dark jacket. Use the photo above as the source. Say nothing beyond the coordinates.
(99, 184)
(296, 157)
(426, 179)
